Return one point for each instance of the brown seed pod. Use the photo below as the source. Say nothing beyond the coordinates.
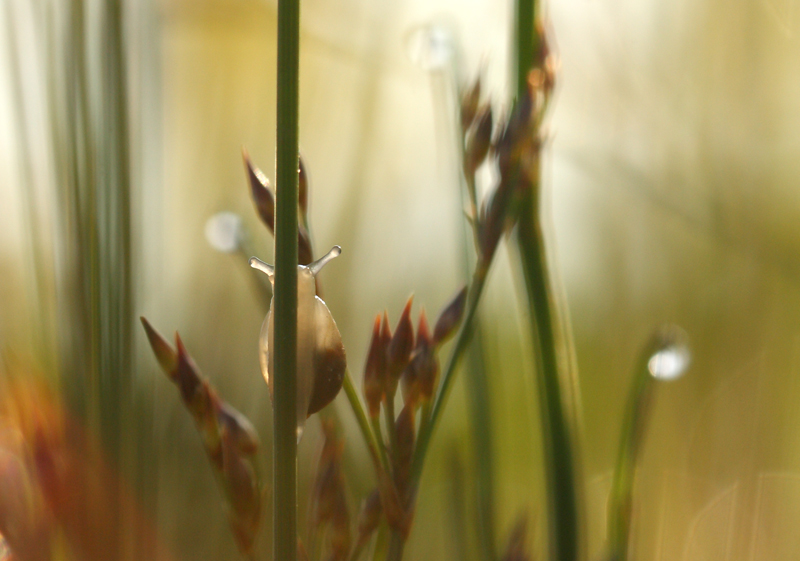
(375, 370)
(400, 347)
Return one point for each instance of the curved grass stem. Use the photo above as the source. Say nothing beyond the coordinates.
(460, 345)
(375, 448)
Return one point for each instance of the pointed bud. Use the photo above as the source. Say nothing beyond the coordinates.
(479, 141)
(404, 429)
(469, 104)
(229, 439)
(423, 332)
(261, 193)
(415, 371)
(518, 132)
(427, 366)
(375, 371)
(492, 222)
(369, 516)
(400, 347)
(386, 331)
(165, 354)
(450, 317)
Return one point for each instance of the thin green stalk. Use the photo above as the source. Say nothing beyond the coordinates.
(481, 428)
(525, 38)
(562, 501)
(633, 429)
(558, 454)
(363, 422)
(285, 299)
(634, 426)
(460, 345)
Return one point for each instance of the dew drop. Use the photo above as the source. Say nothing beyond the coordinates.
(672, 356)
(224, 231)
(430, 47)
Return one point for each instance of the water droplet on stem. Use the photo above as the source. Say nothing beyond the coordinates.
(672, 357)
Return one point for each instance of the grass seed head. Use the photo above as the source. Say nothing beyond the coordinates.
(404, 429)
(479, 141)
(261, 192)
(450, 317)
(400, 347)
(375, 370)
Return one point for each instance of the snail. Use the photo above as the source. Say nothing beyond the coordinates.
(321, 358)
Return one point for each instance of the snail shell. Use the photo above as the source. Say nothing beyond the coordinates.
(321, 360)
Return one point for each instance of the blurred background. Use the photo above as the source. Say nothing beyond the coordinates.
(671, 177)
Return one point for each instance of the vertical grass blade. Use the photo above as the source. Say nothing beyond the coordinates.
(285, 298)
(562, 499)
(560, 469)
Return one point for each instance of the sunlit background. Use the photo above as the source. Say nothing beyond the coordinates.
(671, 177)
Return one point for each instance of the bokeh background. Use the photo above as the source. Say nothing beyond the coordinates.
(671, 177)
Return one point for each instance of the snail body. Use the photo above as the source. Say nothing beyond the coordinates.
(321, 359)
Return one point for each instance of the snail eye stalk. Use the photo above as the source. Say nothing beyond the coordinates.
(266, 268)
(317, 265)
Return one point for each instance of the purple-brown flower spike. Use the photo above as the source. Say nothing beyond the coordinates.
(479, 141)
(165, 354)
(450, 318)
(261, 192)
(230, 441)
(418, 372)
(404, 428)
(425, 362)
(423, 332)
(386, 331)
(400, 347)
(375, 371)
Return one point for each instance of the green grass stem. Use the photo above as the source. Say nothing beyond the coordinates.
(376, 449)
(462, 340)
(562, 500)
(285, 299)
(634, 426)
(560, 477)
